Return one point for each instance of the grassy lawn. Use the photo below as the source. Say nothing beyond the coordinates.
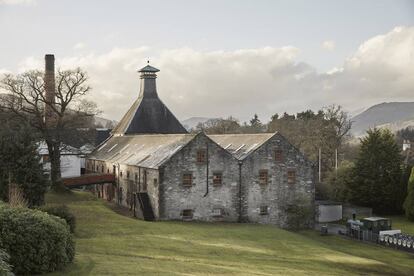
(111, 244)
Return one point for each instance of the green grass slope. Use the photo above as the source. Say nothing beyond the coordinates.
(111, 244)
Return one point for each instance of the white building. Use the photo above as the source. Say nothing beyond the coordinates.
(406, 145)
(70, 160)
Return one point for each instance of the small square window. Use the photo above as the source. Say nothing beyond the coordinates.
(217, 212)
(291, 177)
(187, 180)
(264, 210)
(278, 155)
(155, 182)
(263, 177)
(187, 214)
(201, 156)
(120, 174)
(127, 174)
(217, 178)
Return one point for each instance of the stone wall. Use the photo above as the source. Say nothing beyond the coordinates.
(130, 179)
(245, 201)
(175, 197)
(278, 192)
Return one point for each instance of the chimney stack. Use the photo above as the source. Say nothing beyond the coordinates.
(148, 86)
(49, 88)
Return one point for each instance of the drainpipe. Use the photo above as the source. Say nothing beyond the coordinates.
(117, 184)
(139, 179)
(240, 190)
(207, 160)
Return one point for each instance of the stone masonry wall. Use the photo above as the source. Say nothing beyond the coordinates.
(130, 180)
(277, 193)
(174, 197)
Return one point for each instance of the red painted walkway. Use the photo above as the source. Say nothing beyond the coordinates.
(88, 179)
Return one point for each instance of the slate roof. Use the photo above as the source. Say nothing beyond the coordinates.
(241, 145)
(148, 114)
(148, 68)
(149, 151)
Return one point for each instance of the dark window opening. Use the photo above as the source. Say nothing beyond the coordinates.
(278, 155)
(217, 178)
(264, 210)
(263, 177)
(187, 214)
(187, 180)
(291, 177)
(201, 156)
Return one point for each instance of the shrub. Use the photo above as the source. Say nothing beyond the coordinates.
(63, 212)
(36, 242)
(300, 213)
(409, 201)
(5, 268)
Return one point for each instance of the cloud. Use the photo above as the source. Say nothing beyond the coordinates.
(79, 46)
(380, 70)
(328, 45)
(243, 82)
(18, 2)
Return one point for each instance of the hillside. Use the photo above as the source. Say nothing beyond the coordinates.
(393, 115)
(192, 122)
(108, 243)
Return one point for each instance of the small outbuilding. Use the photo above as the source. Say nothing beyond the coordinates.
(328, 211)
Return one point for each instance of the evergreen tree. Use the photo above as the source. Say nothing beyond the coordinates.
(20, 164)
(377, 173)
(409, 201)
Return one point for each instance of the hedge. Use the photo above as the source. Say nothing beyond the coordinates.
(63, 212)
(5, 268)
(36, 242)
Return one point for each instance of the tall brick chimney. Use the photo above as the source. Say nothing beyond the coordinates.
(49, 88)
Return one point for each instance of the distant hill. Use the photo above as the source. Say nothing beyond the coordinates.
(106, 123)
(393, 115)
(192, 122)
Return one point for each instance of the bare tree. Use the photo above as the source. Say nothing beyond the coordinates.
(25, 97)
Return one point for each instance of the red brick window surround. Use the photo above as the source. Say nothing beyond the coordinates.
(263, 177)
(217, 178)
(201, 156)
(291, 177)
(278, 155)
(187, 179)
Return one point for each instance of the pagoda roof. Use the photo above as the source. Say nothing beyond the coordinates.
(148, 68)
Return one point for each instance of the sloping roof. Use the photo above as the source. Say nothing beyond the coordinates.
(148, 68)
(64, 149)
(149, 151)
(148, 114)
(241, 145)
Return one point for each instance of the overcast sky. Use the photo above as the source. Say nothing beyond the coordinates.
(221, 58)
